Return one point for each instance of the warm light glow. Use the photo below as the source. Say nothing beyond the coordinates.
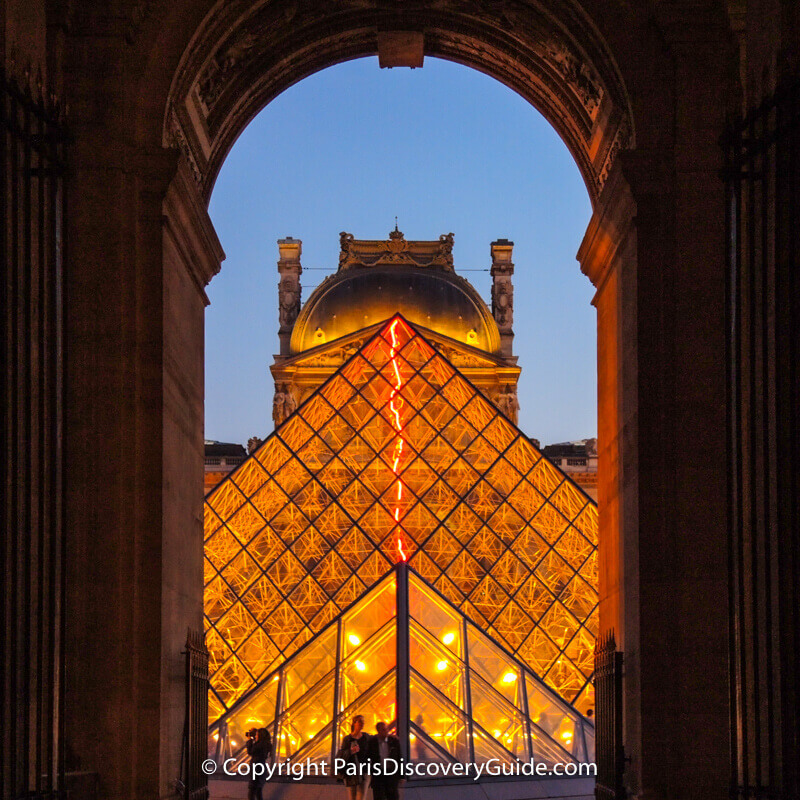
(413, 413)
(442, 665)
(360, 666)
(566, 735)
(398, 426)
(509, 677)
(400, 549)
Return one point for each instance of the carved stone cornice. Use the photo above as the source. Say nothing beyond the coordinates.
(188, 225)
(550, 53)
(611, 223)
(176, 137)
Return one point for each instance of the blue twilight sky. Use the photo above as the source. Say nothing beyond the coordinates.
(445, 148)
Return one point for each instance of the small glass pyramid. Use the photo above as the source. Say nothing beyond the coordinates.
(398, 457)
(464, 699)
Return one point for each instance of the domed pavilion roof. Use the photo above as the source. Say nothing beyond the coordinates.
(377, 279)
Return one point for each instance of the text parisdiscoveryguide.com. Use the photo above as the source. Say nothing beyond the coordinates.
(393, 768)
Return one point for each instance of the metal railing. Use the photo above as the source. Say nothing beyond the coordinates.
(610, 753)
(194, 780)
(32, 170)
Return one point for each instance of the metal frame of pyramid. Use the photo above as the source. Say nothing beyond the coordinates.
(397, 455)
(404, 655)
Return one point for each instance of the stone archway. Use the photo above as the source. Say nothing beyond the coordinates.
(246, 54)
(151, 133)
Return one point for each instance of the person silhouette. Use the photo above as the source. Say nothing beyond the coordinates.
(354, 752)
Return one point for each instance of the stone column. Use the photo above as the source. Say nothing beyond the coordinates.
(289, 288)
(608, 257)
(503, 293)
(192, 255)
(134, 332)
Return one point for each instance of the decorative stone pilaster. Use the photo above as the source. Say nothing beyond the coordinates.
(289, 289)
(503, 293)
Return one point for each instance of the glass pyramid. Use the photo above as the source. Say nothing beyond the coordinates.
(465, 699)
(398, 457)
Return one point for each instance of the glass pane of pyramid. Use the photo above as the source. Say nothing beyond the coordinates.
(466, 702)
(398, 457)
(553, 718)
(303, 720)
(317, 750)
(441, 720)
(436, 616)
(487, 748)
(302, 674)
(257, 711)
(504, 722)
(437, 664)
(495, 667)
(371, 662)
(424, 750)
(379, 704)
(368, 615)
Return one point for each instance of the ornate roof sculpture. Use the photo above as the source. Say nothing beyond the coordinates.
(361, 253)
(466, 700)
(398, 456)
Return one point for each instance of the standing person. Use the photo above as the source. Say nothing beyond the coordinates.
(266, 740)
(384, 750)
(259, 747)
(354, 751)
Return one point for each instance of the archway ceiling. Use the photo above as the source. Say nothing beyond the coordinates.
(246, 53)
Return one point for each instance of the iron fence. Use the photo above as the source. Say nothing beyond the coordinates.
(195, 781)
(610, 753)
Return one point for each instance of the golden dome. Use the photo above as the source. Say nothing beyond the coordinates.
(377, 279)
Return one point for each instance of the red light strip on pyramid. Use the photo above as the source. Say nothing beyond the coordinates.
(398, 426)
